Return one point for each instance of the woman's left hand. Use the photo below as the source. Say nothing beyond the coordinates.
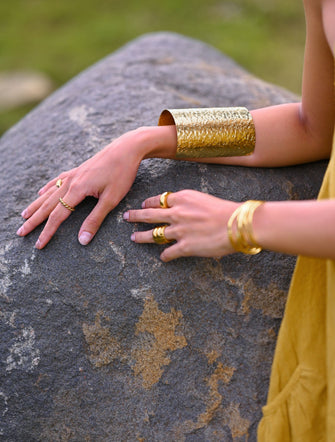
(196, 221)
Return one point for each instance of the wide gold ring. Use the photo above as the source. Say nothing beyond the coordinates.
(163, 200)
(59, 182)
(158, 235)
(66, 205)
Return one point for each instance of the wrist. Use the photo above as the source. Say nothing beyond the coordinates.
(156, 142)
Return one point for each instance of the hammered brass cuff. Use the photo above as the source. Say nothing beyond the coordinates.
(211, 132)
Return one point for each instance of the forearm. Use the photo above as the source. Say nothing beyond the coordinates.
(297, 227)
(282, 139)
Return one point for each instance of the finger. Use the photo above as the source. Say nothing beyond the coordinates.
(151, 202)
(50, 184)
(38, 212)
(35, 205)
(146, 237)
(94, 220)
(56, 217)
(53, 182)
(173, 252)
(154, 201)
(148, 216)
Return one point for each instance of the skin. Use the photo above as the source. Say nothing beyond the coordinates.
(197, 221)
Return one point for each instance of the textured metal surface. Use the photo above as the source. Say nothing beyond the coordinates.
(105, 342)
(211, 132)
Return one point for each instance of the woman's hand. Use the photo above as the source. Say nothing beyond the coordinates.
(196, 221)
(108, 176)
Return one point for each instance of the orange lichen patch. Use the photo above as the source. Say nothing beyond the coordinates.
(221, 373)
(151, 355)
(272, 334)
(212, 356)
(288, 187)
(238, 425)
(103, 347)
(271, 299)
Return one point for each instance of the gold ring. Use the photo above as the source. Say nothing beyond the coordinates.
(163, 200)
(158, 235)
(59, 182)
(66, 205)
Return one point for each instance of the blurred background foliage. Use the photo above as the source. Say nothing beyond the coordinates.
(62, 37)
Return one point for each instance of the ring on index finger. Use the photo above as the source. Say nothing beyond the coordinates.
(59, 182)
(163, 200)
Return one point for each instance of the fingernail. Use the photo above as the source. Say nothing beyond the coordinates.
(24, 214)
(20, 230)
(132, 237)
(38, 244)
(126, 215)
(85, 238)
(143, 205)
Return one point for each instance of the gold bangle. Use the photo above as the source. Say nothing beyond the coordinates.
(240, 233)
(211, 132)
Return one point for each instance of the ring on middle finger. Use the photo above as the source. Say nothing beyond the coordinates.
(158, 235)
(59, 182)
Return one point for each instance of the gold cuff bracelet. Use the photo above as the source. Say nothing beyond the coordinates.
(211, 132)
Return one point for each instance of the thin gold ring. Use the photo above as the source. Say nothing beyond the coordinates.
(66, 205)
(59, 182)
(163, 200)
(158, 235)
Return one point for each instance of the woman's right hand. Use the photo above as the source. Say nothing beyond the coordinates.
(107, 176)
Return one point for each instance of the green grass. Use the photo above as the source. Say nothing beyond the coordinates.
(62, 37)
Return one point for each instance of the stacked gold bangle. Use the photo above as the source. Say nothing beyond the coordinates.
(240, 231)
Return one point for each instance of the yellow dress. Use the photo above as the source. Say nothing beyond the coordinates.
(301, 398)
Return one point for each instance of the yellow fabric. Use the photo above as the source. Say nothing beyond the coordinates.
(301, 398)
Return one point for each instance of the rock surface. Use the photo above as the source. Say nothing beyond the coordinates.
(105, 342)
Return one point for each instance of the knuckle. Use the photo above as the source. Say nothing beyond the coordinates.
(134, 215)
(174, 216)
(184, 195)
(141, 215)
(54, 218)
(178, 215)
(185, 248)
(76, 188)
(47, 207)
(147, 215)
(177, 233)
(110, 202)
(93, 222)
(138, 238)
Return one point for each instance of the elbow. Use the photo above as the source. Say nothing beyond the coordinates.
(317, 133)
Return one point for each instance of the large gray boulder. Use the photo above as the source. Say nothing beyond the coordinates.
(105, 342)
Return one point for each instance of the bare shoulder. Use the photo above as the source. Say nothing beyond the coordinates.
(318, 106)
(322, 13)
(328, 18)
